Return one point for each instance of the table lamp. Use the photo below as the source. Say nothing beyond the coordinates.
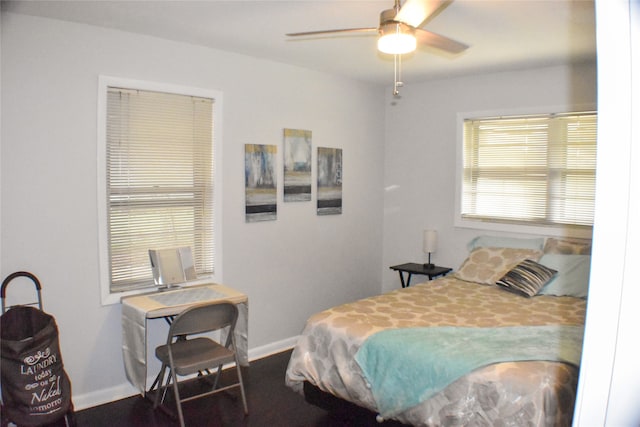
(429, 245)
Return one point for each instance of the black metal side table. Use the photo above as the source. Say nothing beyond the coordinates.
(414, 268)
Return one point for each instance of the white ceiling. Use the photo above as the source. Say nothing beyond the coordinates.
(502, 34)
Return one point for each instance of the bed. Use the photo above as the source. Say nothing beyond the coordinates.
(498, 342)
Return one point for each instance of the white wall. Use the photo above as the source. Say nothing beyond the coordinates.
(610, 378)
(290, 268)
(49, 77)
(420, 151)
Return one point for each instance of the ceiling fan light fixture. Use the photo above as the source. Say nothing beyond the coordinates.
(396, 38)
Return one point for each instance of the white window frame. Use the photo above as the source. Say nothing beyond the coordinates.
(459, 221)
(104, 82)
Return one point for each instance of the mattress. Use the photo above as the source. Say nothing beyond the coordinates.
(531, 392)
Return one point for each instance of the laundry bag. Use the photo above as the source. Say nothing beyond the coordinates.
(36, 390)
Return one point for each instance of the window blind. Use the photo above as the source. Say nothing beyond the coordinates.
(530, 169)
(159, 181)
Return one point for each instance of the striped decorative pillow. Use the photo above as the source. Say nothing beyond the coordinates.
(527, 278)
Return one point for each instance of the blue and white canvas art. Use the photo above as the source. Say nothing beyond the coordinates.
(260, 182)
(297, 165)
(329, 181)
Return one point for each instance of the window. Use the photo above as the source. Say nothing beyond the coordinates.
(157, 180)
(530, 170)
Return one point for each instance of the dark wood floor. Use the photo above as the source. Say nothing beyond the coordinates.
(270, 401)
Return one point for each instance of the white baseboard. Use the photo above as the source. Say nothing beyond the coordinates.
(273, 348)
(99, 397)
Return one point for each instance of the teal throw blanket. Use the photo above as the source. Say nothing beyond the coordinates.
(407, 366)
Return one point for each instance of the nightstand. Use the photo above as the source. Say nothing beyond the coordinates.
(413, 268)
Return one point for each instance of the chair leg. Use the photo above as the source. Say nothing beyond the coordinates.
(244, 398)
(177, 397)
(215, 381)
(159, 389)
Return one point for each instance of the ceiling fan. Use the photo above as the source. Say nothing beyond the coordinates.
(399, 31)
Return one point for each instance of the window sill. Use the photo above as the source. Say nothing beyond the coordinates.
(557, 231)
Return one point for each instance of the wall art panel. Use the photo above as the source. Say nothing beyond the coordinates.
(260, 182)
(297, 165)
(329, 181)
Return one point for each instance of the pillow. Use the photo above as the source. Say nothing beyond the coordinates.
(487, 265)
(505, 242)
(527, 278)
(567, 246)
(573, 275)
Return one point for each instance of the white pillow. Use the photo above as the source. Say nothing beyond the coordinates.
(572, 278)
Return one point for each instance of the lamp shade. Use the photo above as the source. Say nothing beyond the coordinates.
(396, 39)
(430, 241)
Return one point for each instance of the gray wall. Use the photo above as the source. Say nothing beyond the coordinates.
(421, 151)
(290, 268)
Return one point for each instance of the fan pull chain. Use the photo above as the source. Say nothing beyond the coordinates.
(397, 74)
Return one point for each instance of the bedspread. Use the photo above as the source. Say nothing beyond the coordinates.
(511, 393)
(392, 359)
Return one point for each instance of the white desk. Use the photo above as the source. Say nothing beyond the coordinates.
(138, 309)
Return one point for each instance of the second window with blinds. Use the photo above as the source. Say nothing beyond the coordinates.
(158, 183)
(534, 170)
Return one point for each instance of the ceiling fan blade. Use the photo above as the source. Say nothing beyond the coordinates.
(347, 30)
(428, 38)
(415, 12)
